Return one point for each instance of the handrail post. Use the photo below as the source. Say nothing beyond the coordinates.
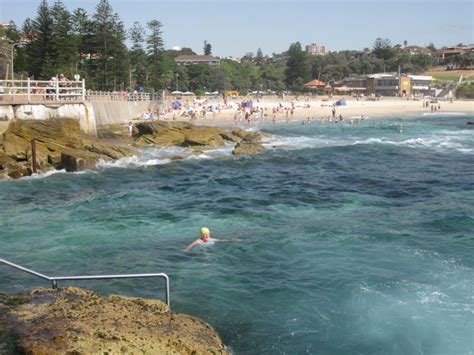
(83, 89)
(167, 286)
(28, 87)
(57, 88)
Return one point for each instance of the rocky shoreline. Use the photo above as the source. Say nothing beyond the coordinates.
(59, 143)
(77, 321)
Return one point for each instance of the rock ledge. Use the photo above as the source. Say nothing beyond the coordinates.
(78, 321)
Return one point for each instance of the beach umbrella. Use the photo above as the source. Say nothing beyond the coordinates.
(315, 84)
(343, 88)
(188, 93)
(176, 92)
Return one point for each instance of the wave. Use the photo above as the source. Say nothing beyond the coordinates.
(161, 156)
(301, 142)
(445, 113)
(441, 143)
(45, 174)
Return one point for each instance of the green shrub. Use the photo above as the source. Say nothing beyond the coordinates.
(465, 91)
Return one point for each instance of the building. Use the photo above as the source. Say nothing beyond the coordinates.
(420, 85)
(314, 49)
(197, 59)
(356, 83)
(390, 84)
(413, 50)
(383, 84)
(453, 51)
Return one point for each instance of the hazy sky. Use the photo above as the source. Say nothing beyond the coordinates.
(234, 27)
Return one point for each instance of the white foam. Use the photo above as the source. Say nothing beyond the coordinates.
(444, 113)
(437, 142)
(45, 174)
(161, 156)
(300, 142)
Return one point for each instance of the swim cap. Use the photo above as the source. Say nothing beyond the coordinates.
(205, 230)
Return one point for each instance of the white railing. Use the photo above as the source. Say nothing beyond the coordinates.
(74, 91)
(92, 95)
(54, 279)
(41, 91)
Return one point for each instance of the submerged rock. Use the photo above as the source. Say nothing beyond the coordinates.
(250, 144)
(77, 321)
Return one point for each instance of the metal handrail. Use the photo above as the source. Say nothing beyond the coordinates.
(55, 279)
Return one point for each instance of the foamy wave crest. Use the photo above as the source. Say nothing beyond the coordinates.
(301, 142)
(439, 143)
(131, 162)
(160, 156)
(444, 113)
(45, 174)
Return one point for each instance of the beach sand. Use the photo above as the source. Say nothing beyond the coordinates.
(316, 109)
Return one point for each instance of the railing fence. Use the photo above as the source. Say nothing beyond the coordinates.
(54, 279)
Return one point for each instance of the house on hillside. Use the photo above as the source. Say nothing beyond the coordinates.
(413, 50)
(453, 51)
(197, 59)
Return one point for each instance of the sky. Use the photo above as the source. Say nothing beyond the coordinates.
(235, 27)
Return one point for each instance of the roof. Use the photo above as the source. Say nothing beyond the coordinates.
(421, 77)
(381, 76)
(315, 83)
(194, 58)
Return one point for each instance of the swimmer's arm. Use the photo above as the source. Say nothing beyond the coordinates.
(192, 245)
(226, 240)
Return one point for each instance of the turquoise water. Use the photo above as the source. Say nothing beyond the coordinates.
(354, 239)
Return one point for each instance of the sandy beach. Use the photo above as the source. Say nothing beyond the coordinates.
(315, 108)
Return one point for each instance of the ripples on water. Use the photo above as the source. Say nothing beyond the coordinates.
(354, 239)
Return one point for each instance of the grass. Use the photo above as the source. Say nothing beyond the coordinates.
(454, 75)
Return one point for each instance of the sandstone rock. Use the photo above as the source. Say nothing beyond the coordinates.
(19, 172)
(231, 136)
(74, 163)
(77, 321)
(244, 148)
(203, 136)
(113, 131)
(160, 133)
(253, 137)
(55, 138)
(6, 162)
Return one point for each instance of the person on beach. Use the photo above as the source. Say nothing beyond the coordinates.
(205, 238)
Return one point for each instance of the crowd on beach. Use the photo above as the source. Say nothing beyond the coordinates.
(271, 110)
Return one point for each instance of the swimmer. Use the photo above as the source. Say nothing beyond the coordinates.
(204, 239)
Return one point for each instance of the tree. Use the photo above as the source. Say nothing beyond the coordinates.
(296, 66)
(431, 47)
(207, 48)
(382, 49)
(41, 48)
(111, 52)
(137, 54)
(421, 62)
(84, 31)
(155, 55)
(259, 56)
(64, 43)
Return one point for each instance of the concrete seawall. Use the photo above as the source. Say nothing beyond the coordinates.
(90, 114)
(118, 111)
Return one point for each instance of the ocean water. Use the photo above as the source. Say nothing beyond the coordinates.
(352, 239)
